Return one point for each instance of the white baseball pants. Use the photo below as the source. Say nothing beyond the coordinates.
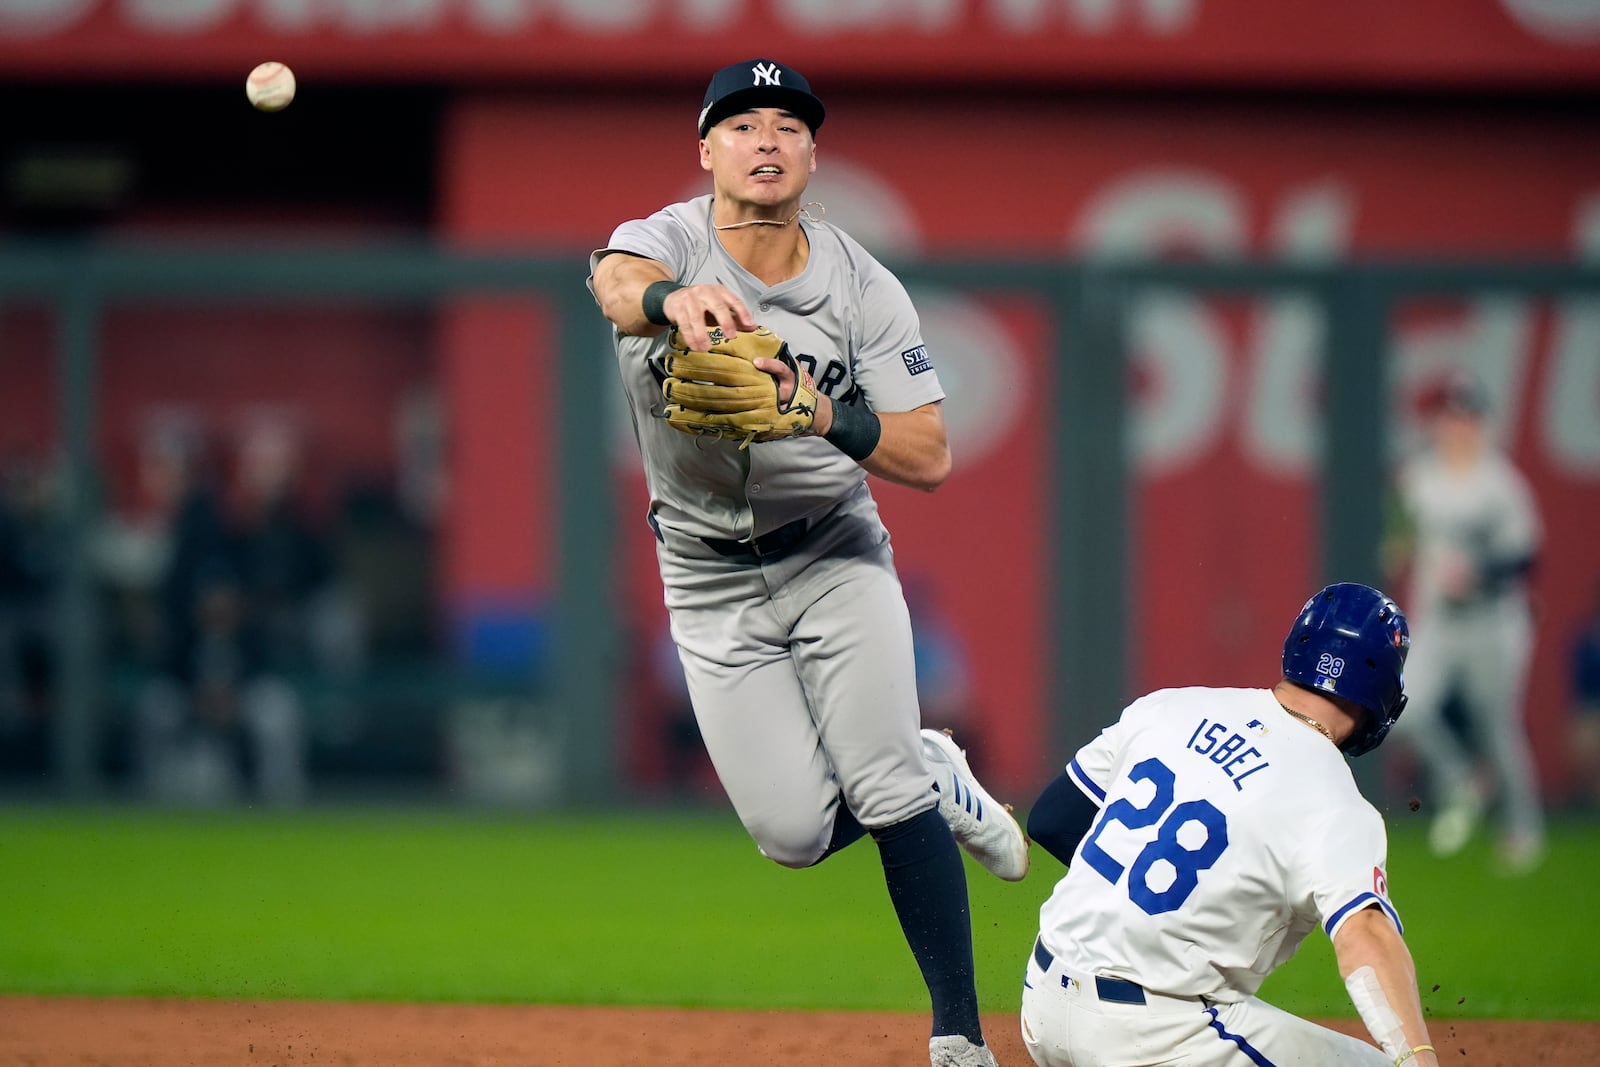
(1066, 1023)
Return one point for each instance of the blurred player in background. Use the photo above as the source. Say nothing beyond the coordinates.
(1206, 833)
(1468, 534)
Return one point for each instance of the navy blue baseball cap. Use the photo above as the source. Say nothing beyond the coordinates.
(759, 83)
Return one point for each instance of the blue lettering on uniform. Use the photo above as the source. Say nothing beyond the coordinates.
(1228, 768)
(1233, 744)
(1209, 741)
(1230, 754)
(1238, 780)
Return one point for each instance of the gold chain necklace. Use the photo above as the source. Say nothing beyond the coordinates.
(1309, 721)
(803, 209)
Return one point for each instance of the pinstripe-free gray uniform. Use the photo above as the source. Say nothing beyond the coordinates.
(799, 664)
(1476, 528)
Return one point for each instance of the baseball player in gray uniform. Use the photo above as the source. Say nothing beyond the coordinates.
(1469, 531)
(1207, 832)
(779, 580)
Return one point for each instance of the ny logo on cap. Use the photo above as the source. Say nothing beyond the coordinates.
(766, 74)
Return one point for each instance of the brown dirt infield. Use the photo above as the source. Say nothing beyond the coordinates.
(81, 1032)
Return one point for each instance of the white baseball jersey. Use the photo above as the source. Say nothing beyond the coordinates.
(1228, 831)
(847, 320)
(1483, 513)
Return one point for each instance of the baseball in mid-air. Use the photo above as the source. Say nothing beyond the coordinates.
(270, 87)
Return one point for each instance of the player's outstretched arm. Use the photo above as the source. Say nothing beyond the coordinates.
(1382, 979)
(622, 285)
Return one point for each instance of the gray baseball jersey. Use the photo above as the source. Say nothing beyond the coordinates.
(848, 321)
(1482, 514)
(799, 666)
(1474, 641)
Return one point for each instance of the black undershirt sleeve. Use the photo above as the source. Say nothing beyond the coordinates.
(1060, 818)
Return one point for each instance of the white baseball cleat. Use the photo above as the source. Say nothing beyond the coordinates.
(983, 826)
(957, 1051)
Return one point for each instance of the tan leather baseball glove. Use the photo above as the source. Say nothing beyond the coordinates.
(722, 393)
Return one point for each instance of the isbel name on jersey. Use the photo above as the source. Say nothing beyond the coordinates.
(1229, 749)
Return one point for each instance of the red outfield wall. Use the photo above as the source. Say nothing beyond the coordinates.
(1226, 425)
(1543, 43)
(998, 160)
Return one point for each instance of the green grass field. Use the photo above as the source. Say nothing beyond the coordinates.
(669, 909)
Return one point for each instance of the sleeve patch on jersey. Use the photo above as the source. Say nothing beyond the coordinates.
(916, 359)
(1085, 782)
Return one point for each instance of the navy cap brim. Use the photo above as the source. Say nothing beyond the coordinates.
(807, 108)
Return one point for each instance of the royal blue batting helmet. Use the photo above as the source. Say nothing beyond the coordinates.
(1350, 641)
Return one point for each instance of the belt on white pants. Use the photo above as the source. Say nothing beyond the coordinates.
(1113, 990)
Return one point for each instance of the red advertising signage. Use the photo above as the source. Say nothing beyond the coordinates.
(1225, 432)
(1549, 43)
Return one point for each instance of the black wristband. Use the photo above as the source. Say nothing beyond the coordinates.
(655, 301)
(855, 430)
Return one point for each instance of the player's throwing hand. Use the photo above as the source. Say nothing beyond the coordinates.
(696, 309)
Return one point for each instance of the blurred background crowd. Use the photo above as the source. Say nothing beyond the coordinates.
(323, 535)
